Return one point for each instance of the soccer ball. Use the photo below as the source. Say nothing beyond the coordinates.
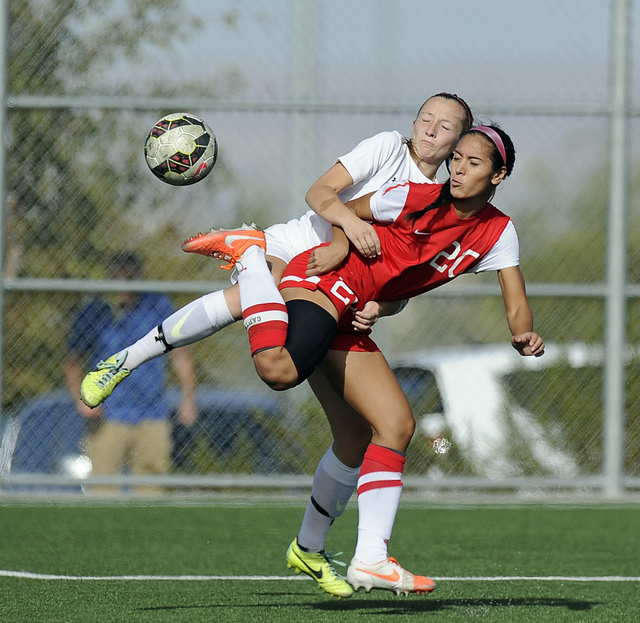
(180, 149)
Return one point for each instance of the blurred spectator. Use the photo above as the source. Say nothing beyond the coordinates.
(133, 429)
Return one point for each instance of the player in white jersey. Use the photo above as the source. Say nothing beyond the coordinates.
(434, 235)
(372, 163)
(375, 161)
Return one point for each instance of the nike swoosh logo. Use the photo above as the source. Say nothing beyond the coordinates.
(422, 233)
(317, 574)
(175, 332)
(230, 239)
(391, 577)
(340, 506)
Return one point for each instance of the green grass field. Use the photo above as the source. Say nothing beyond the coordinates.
(223, 561)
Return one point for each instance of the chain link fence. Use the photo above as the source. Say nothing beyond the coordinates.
(288, 86)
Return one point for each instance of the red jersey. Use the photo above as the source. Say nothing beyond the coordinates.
(416, 256)
(422, 255)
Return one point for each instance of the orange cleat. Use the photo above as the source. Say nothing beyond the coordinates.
(226, 244)
(388, 575)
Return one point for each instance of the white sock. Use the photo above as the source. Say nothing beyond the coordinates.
(333, 485)
(379, 489)
(255, 280)
(377, 513)
(195, 321)
(263, 309)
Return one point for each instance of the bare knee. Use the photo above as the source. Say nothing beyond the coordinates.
(395, 433)
(408, 429)
(275, 367)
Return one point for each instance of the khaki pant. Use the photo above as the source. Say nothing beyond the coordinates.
(144, 448)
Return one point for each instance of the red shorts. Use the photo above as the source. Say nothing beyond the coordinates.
(331, 284)
(354, 343)
(339, 293)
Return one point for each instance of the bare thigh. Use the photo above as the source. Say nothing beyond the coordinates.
(351, 432)
(367, 384)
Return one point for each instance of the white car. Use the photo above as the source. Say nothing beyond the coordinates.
(461, 402)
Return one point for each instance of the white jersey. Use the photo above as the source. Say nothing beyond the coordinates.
(378, 160)
(374, 162)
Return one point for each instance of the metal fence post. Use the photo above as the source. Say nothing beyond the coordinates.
(4, 80)
(617, 249)
(304, 80)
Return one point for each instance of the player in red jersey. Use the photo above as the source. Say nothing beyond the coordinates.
(421, 251)
(431, 236)
(387, 156)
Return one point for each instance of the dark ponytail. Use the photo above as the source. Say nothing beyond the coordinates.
(443, 197)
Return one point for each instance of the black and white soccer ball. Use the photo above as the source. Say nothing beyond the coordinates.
(180, 149)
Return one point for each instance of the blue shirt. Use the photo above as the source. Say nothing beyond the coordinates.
(99, 331)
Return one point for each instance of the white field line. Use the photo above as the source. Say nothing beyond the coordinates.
(280, 578)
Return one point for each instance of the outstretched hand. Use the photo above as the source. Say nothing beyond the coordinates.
(528, 344)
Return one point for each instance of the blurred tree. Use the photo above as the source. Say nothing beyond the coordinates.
(63, 164)
(73, 175)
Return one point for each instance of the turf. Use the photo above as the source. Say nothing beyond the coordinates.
(557, 545)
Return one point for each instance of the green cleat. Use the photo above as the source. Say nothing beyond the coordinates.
(318, 565)
(97, 386)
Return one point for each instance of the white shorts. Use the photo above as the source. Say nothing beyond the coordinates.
(286, 240)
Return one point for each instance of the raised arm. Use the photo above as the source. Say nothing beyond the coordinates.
(323, 199)
(326, 258)
(519, 315)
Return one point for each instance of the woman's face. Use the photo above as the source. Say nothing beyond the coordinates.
(472, 173)
(436, 130)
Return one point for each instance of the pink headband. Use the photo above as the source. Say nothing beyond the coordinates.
(495, 138)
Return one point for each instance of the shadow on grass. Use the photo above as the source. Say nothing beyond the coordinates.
(434, 604)
(404, 605)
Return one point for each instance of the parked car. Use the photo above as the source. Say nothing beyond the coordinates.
(46, 435)
(475, 400)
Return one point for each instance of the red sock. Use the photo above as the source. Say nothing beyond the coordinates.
(266, 324)
(381, 468)
(263, 310)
